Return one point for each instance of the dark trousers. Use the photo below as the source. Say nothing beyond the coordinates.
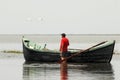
(64, 54)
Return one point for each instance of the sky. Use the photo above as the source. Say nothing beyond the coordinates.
(57, 16)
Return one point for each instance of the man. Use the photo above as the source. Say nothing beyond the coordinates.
(64, 46)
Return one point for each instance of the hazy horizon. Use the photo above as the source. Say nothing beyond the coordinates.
(75, 38)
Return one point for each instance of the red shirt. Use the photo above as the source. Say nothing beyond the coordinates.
(64, 44)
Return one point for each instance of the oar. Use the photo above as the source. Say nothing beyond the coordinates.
(81, 52)
(74, 49)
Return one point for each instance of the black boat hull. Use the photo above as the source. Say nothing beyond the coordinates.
(100, 55)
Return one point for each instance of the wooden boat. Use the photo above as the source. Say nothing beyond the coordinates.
(99, 54)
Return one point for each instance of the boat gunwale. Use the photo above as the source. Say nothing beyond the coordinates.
(108, 43)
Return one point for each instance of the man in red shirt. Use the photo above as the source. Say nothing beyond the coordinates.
(64, 46)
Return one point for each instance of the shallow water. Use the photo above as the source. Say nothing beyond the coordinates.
(13, 67)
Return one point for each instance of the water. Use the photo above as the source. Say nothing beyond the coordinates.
(91, 71)
(14, 67)
(11, 66)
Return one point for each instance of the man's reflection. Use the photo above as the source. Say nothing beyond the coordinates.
(63, 70)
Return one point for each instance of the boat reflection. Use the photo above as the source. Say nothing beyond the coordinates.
(40, 71)
(91, 71)
(67, 71)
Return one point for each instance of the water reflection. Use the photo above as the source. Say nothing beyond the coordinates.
(91, 71)
(67, 71)
(41, 71)
(64, 71)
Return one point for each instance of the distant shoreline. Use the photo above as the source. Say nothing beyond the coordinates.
(59, 34)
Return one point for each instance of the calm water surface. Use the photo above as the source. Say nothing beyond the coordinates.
(13, 67)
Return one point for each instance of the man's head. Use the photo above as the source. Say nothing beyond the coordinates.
(63, 34)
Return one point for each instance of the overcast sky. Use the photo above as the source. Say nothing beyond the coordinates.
(57, 16)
